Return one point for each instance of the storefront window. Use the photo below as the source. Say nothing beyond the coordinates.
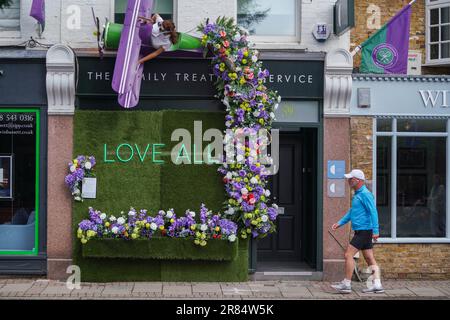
(19, 158)
(411, 171)
(267, 18)
(163, 7)
(421, 125)
(421, 187)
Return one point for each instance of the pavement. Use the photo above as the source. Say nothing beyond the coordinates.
(26, 288)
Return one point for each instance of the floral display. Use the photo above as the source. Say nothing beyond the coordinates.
(141, 225)
(250, 106)
(81, 167)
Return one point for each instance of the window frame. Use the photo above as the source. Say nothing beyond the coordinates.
(281, 39)
(430, 5)
(395, 134)
(174, 11)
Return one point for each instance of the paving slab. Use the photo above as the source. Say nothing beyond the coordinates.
(429, 292)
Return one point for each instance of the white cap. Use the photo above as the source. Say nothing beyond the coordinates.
(358, 174)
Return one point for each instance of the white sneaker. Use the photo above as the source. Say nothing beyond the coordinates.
(341, 287)
(374, 289)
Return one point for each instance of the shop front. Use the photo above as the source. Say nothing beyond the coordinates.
(23, 139)
(404, 121)
(178, 92)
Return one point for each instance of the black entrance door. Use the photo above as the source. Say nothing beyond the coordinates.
(285, 244)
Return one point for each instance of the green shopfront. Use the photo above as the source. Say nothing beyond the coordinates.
(177, 92)
(22, 164)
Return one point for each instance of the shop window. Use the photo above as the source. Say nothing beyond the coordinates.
(438, 31)
(412, 178)
(10, 18)
(163, 7)
(421, 187)
(19, 176)
(271, 21)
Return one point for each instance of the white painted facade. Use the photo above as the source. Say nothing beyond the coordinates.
(70, 22)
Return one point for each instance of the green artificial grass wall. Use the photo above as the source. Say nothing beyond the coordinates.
(163, 248)
(150, 186)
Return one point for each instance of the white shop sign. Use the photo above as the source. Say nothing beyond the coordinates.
(402, 95)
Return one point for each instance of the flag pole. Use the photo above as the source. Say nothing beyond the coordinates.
(359, 47)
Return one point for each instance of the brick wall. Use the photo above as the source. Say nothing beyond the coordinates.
(397, 261)
(412, 261)
(388, 8)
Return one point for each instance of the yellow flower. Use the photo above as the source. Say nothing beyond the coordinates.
(246, 54)
(83, 241)
(203, 243)
(249, 230)
(197, 242)
(203, 236)
(244, 61)
(107, 224)
(261, 121)
(172, 220)
(242, 80)
(161, 227)
(193, 227)
(217, 229)
(147, 225)
(134, 236)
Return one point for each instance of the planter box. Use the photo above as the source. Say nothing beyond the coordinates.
(160, 248)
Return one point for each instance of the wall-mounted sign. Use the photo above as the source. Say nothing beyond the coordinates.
(192, 78)
(344, 16)
(336, 188)
(321, 32)
(89, 188)
(402, 96)
(336, 169)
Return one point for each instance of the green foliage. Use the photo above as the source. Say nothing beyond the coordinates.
(161, 249)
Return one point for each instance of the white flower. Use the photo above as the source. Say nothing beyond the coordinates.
(256, 113)
(153, 226)
(232, 238)
(112, 219)
(115, 230)
(192, 213)
(267, 192)
(244, 191)
(240, 158)
(276, 106)
(264, 218)
(253, 180)
(274, 205)
(131, 213)
(239, 200)
(203, 227)
(229, 175)
(103, 216)
(272, 115)
(169, 214)
(230, 211)
(88, 165)
(279, 99)
(72, 168)
(253, 153)
(121, 221)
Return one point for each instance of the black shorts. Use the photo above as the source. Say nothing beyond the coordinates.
(362, 240)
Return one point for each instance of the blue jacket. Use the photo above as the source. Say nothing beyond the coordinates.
(363, 213)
